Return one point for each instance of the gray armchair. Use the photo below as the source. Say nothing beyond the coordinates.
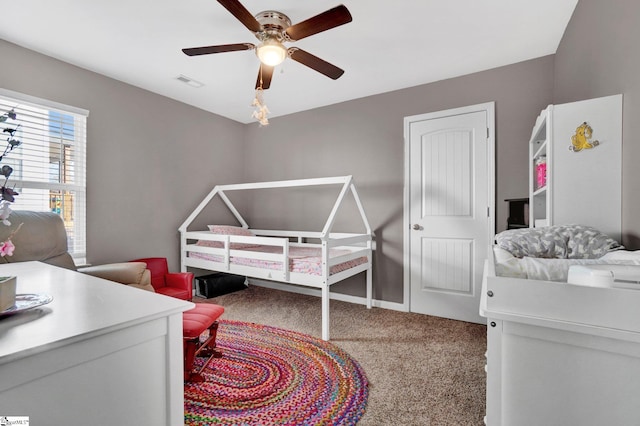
(43, 238)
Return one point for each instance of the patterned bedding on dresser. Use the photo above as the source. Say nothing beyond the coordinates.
(557, 242)
(547, 253)
(533, 268)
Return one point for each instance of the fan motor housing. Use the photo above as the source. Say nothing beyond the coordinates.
(274, 24)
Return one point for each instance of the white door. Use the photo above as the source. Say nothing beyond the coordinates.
(450, 209)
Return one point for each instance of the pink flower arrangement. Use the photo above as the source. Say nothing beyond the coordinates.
(7, 248)
(7, 194)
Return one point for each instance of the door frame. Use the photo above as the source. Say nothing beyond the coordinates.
(489, 108)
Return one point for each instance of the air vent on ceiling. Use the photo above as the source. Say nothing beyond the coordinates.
(187, 80)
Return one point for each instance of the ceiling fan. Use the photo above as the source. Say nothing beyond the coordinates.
(274, 28)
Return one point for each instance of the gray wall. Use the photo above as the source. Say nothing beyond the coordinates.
(599, 56)
(364, 138)
(150, 160)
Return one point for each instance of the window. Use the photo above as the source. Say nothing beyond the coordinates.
(49, 166)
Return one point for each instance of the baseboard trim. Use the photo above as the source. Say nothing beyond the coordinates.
(394, 306)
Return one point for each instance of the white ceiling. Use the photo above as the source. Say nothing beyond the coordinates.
(389, 45)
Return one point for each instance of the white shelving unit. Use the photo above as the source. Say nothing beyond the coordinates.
(539, 205)
(582, 187)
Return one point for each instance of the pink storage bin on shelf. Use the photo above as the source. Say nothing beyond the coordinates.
(541, 174)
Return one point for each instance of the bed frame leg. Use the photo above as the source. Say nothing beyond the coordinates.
(369, 288)
(325, 312)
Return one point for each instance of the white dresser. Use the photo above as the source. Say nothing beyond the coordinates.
(100, 353)
(560, 354)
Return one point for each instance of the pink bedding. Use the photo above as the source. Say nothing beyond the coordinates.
(305, 260)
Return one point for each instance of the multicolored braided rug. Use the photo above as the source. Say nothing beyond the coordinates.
(271, 376)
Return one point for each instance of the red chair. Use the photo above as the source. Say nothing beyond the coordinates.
(178, 284)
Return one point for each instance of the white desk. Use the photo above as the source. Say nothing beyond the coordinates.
(100, 353)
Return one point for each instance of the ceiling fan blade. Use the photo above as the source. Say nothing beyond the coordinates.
(313, 62)
(241, 14)
(332, 18)
(264, 73)
(206, 50)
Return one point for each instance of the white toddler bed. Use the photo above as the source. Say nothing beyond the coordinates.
(283, 256)
(560, 353)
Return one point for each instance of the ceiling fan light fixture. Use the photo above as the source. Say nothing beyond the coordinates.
(271, 52)
(272, 29)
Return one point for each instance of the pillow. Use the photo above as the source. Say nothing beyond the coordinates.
(545, 242)
(557, 242)
(585, 242)
(228, 230)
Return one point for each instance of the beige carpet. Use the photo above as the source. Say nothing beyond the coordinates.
(422, 370)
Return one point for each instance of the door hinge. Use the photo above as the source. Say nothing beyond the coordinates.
(487, 133)
(488, 211)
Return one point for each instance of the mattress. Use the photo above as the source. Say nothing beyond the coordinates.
(304, 260)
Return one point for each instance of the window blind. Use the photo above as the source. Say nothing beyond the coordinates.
(49, 166)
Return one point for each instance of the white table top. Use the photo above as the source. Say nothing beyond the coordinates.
(82, 306)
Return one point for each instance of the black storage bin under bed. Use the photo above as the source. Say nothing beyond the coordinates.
(219, 283)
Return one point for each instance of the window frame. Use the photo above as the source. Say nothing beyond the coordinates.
(78, 188)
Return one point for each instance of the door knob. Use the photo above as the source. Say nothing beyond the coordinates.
(416, 227)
